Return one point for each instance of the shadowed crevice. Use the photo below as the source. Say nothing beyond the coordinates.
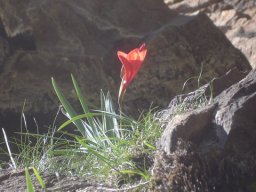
(21, 41)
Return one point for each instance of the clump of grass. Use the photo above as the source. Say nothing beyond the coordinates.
(196, 99)
(106, 147)
(186, 102)
(109, 141)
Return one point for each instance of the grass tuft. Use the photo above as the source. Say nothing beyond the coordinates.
(105, 146)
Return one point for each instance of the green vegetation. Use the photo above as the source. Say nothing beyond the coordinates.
(102, 146)
(29, 183)
(194, 100)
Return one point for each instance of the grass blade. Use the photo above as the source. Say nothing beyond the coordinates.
(78, 117)
(70, 110)
(150, 146)
(39, 178)
(83, 102)
(135, 172)
(8, 148)
(29, 184)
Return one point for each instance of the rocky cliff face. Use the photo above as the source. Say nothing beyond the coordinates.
(44, 39)
(41, 39)
(209, 138)
(236, 18)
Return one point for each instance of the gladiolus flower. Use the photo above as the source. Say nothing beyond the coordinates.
(131, 63)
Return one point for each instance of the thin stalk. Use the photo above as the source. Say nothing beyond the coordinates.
(9, 150)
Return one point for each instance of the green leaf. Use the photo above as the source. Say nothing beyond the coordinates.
(29, 184)
(78, 117)
(109, 122)
(70, 110)
(83, 102)
(135, 172)
(150, 146)
(39, 178)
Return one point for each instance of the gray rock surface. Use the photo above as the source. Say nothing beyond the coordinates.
(236, 115)
(236, 18)
(216, 140)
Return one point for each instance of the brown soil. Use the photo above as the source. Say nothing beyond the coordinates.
(15, 181)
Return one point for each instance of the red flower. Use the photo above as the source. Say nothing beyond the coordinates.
(131, 64)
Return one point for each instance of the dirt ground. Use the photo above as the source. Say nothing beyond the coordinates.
(15, 181)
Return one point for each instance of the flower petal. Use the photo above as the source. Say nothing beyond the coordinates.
(131, 63)
(133, 55)
(127, 67)
(142, 52)
(122, 56)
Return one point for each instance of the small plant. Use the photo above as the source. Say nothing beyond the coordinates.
(200, 97)
(117, 150)
(109, 141)
(105, 146)
(105, 135)
(100, 127)
(183, 103)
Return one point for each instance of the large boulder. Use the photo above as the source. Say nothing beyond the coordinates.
(236, 18)
(44, 39)
(41, 39)
(187, 47)
(211, 148)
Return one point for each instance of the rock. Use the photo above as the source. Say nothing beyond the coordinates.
(200, 97)
(214, 143)
(177, 52)
(236, 115)
(190, 126)
(236, 18)
(200, 107)
(55, 38)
